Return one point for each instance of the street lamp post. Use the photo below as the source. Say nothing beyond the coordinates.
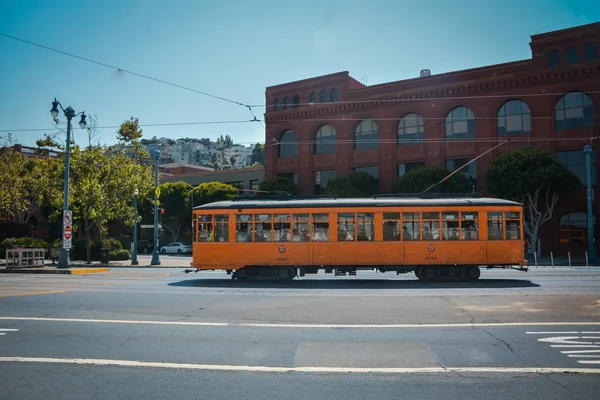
(155, 256)
(590, 215)
(63, 261)
(134, 260)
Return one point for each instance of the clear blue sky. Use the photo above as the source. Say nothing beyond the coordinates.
(235, 48)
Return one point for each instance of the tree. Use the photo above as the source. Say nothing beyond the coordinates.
(258, 154)
(27, 184)
(102, 184)
(129, 135)
(420, 179)
(533, 177)
(92, 128)
(228, 142)
(278, 185)
(357, 184)
(210, 192)
(174, 198)
(232, 160)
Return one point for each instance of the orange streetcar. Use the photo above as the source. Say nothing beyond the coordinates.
(288, 237)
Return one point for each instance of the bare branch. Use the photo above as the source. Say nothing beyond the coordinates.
(173, 226)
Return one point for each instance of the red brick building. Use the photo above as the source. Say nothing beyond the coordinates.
(331, 125)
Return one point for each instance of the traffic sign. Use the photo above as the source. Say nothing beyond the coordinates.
(67, 229)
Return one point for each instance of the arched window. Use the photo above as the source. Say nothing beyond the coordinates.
(589, 52)
(573, 227)
(325, 140)
(312, 98)
(460, 124)
(571, 55)
(366, 135)
(276, 105)
(553, 58)
(323, 96)
(574, 110)
(288, 144)
(286, 103)
(411, 129)
(514, 117)
(296, 101)
(333, 94)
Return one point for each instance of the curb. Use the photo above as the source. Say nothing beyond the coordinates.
(69, 271)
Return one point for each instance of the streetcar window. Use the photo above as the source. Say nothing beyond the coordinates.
(391, 227)
(411, 226)
(243, 228)
(513, 225)
(365, 227)
(205, 229)
(263, 230)
(300, 227)
(221, 228)
(281, 230)
(346, 227)
(320, 227)
(469, 226)
(495, 226)
(431, 225)
(450, 226)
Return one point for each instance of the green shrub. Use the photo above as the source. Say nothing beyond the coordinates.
(112, 244)
(119, 255)
(26, 241)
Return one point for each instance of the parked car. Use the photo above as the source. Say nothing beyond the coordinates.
(176, 247)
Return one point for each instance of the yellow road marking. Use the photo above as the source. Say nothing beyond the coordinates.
(79, 271)
(16, 294)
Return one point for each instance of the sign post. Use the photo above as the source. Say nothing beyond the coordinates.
(67, 229)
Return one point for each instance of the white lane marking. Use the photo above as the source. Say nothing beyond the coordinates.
(553, 333)
(583, 355)
(258, 368)
(1, 334)
(580, 351)
(589, 362)
(573, 345)
(8, 330)
(569, 339)
(312, 326)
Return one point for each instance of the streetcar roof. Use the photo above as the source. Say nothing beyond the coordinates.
(356, 202)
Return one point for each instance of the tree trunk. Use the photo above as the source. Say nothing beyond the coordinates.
(537, 218)
(88, 248)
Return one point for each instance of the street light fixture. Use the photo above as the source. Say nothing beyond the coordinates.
(134, 260)
(69, 112)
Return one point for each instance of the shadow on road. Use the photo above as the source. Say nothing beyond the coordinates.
(356, 284)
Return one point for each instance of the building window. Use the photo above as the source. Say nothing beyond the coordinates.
(292, 176)
(571, 55)
(575, 161)
(312, 98)
(322, 178)
(574, 110)
(323, 96)
(237, 184)
(470, 171)
(573, 228)
(411, 130)
(404, 168)
(333, 94)
(589, 52)
(254, 183)
(460, 124)
(514, 117)
(296, 101)
(276, 105)
(373, 170)
(366, 135)
(325, 140)
(288, 144)
(553, 58)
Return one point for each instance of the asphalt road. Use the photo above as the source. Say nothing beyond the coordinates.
(153, 333)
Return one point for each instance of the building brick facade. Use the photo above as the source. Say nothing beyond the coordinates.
(551, 100)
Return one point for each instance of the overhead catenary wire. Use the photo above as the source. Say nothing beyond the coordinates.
(123, 70)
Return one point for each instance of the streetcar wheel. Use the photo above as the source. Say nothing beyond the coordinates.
(427, 274)
(418, 273)
(473, 273)
(242, 274)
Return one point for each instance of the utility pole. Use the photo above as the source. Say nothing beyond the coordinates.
(587, 150)
(155, 256)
